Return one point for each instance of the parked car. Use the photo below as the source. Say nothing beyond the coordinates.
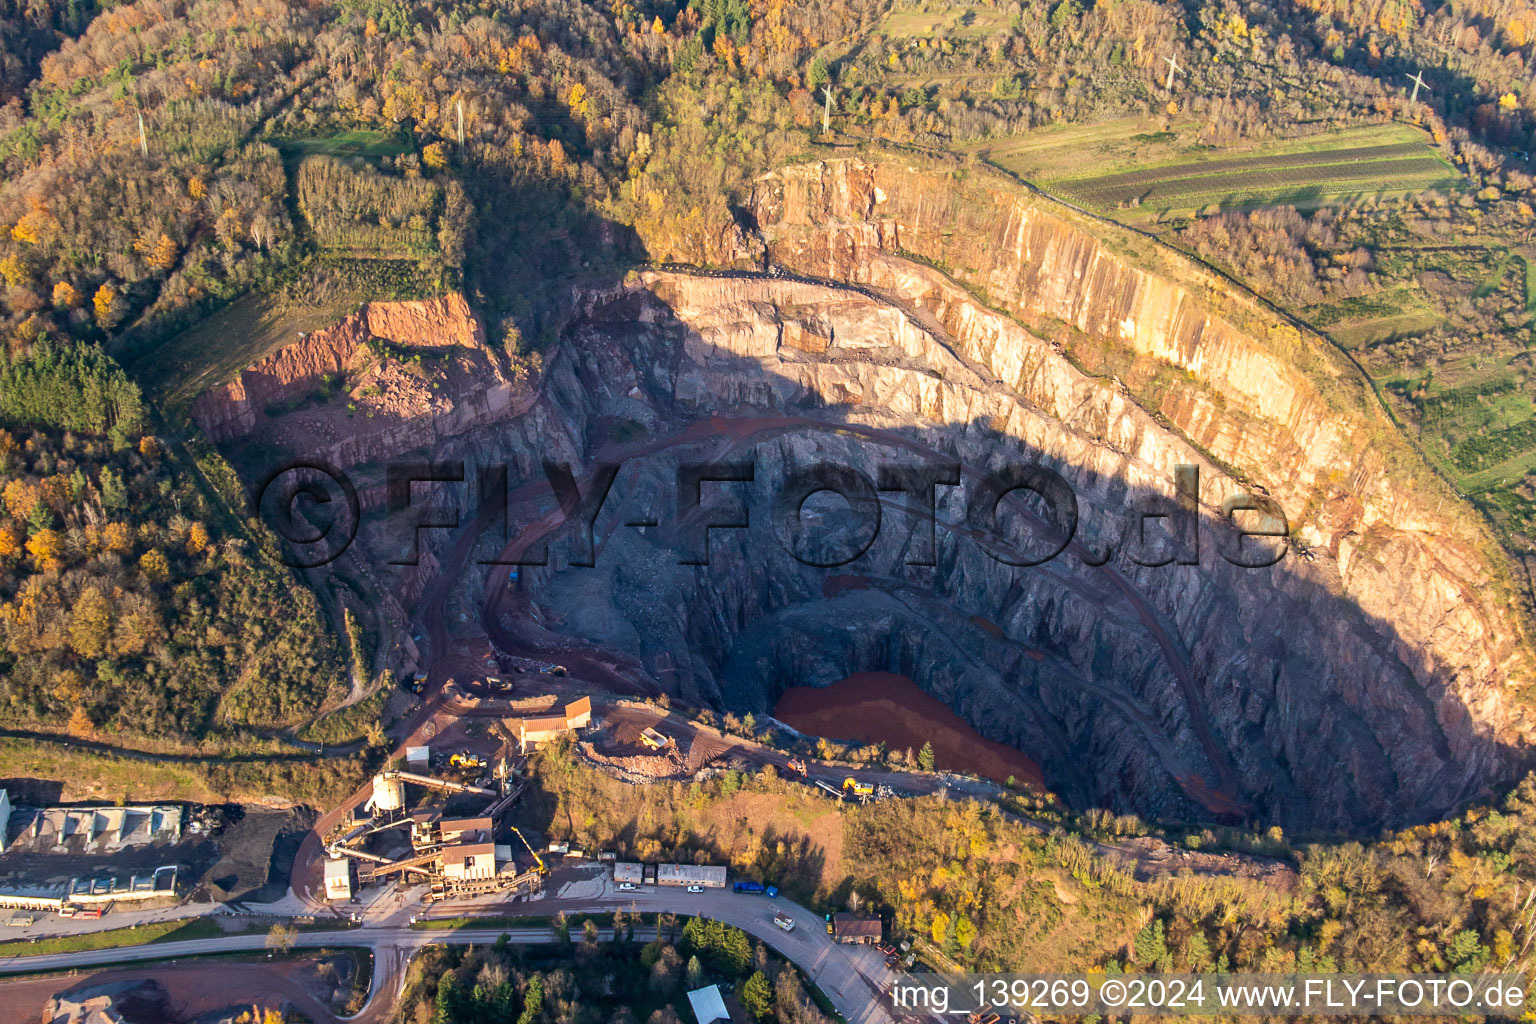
(695, 888)
(627, 887)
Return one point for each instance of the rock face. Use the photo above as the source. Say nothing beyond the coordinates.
(437, 380)
(298, 370)
(1251, 391)
(1367, 683)
(1186, 691)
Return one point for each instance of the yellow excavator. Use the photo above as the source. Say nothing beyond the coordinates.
(859, 788)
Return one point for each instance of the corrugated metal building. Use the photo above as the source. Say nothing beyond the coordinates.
(543, 728)
(710, 876)
(472, 862)
(578, 714)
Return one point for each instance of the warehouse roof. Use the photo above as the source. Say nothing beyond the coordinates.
(467, 850)
(853, 926)
(683, 874)
(466, 824)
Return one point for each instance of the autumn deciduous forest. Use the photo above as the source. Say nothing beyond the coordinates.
(162, 160)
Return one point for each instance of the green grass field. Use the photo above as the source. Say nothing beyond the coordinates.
(218, 348)
(1369, 319)
(1479, 422)
(957, 21)
(1064, 151)
(342, 144)
(1139, 170)
(1382, 160)
(159, 931)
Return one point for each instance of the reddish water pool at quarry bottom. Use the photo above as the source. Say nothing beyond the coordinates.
(874, 707)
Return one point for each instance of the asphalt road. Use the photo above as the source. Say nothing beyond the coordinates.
(851, 976)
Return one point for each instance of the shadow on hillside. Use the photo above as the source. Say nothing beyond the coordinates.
(1191, 692)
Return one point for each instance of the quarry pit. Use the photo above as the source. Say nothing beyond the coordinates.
(723, 485)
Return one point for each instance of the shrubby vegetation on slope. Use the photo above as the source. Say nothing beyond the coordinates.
(979, 887)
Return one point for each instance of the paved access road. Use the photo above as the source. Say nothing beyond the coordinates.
(852, 976)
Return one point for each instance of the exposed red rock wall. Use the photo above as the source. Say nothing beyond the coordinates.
(233, 410)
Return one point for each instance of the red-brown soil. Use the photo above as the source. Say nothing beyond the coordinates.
(872, 707)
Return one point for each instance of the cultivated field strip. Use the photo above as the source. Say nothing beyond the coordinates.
(1321, 156)
(1401, 166)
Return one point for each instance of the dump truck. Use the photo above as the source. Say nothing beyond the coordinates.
(653, 739)
(858, 788)
(797, 766)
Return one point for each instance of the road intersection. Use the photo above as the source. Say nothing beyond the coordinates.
(852, 977)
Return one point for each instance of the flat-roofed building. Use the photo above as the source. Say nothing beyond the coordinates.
(470, 862)
(629, 871)
(710, 876)
(338, 878)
